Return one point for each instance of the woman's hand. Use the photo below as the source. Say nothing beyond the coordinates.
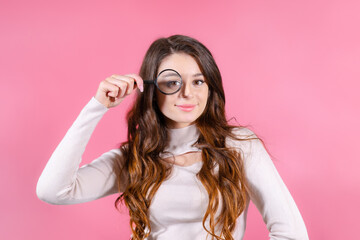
(114, 89)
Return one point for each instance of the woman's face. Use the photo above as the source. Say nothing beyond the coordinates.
(184, 107)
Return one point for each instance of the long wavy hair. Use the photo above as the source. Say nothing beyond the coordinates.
(147, 138)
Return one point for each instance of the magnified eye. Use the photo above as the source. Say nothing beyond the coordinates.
(169, 81)
(169, 85)
(173, 84)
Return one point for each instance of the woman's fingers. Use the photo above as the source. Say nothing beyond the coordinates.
(139, 81)
(132, 80)
(120, 86)
(113, 89)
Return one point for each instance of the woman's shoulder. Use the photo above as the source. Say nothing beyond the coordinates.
(243, 132)
(244, 140)
(248, 144)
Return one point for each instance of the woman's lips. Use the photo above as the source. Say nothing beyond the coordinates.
(186, 107)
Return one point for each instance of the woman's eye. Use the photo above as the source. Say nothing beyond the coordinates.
(173, 83)
(198, 82)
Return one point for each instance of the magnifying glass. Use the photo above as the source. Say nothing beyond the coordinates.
(168, 81)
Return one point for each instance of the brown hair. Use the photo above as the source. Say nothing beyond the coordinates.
(147, 138)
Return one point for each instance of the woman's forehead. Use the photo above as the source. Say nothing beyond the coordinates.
(183, 63)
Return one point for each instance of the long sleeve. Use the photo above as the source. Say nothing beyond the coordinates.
(269, 193)
(62, 180)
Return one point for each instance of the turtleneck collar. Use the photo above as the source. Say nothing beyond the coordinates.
(180, 141)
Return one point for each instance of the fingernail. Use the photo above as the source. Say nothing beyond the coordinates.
(142, 88)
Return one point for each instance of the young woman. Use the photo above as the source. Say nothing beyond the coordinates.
(184, 172)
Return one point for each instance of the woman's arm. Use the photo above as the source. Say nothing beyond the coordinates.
(269, 193)
(62, 181)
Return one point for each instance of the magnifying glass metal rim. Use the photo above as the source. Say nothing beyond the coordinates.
(157, 86)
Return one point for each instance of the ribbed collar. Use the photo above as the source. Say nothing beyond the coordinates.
(180, 141)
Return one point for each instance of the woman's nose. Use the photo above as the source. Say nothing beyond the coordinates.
(186, 89)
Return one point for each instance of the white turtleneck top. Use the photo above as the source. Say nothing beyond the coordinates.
(178, 207)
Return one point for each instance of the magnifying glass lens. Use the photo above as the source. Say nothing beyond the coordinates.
(169, 81)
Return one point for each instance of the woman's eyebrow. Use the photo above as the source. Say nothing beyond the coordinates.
(170, 75)
(197, 74)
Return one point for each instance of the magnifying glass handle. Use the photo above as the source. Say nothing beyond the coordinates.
(148, 81)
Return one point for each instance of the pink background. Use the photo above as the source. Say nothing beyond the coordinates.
(291, 70)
